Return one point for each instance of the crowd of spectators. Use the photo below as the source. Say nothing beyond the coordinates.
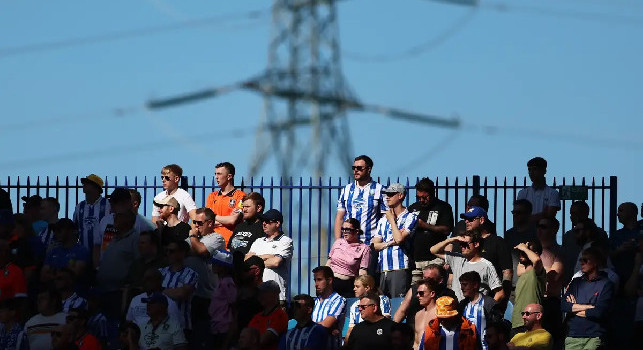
(217, 277)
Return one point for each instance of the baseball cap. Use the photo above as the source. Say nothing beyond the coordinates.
(272, 214)
(95, 179)
(395, 188)
(474, 212)
(221, 257)
(156, 297)
(32, 200)
(120, 194)
(169, 200)
(269, 286)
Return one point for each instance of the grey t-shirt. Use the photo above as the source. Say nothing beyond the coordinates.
(483, 267)
(116, 261)
(201, 265)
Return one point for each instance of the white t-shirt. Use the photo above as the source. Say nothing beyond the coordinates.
(185, 201)
(137, 311)
(166, 336)
(39, 329)
(281, 246)
(540, 198)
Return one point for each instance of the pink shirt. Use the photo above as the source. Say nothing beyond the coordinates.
(347, 258)
(220, 305)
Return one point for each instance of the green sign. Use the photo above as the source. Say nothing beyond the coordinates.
(574, 193)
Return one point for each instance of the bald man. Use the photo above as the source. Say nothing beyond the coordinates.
(534, 337)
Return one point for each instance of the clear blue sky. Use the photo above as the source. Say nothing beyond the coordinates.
(558, 79)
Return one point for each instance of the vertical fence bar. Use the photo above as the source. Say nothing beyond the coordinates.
(613, 203)
(310, 225)
(299, 233)
(476, 184)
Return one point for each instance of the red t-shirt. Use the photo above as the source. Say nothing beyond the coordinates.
(88, 342)
(275, 322)
(12, 282)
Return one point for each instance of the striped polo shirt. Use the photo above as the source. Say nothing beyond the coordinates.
(395, 257)
(365, 204)
(86, 217)
(74, 301)
(180, 278)
(331, 306)
(474, 312)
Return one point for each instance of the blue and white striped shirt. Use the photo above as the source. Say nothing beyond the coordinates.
(313, 336)
(74, 301)
(365, 204)
(331, 306)
(448, 340)
(183, 277)
(47, 237)
(86, 217)
(395, 257)
(474, 312)
(97, 326)
(356, 316)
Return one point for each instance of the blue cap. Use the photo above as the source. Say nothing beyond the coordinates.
(272, 214)
(156, 297)
(474, 212)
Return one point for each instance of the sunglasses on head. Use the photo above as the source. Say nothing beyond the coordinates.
(529, 313)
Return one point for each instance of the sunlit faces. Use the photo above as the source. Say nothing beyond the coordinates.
(359, 289)
(250, 209)
(424, 295)
(321, 282)
(360, 170)
(349, 232)
(473, 223)
(223, 176)
(169, 179)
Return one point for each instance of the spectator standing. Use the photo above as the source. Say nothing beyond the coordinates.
(272, 321)
(552, 260)
(67, 252)
(587, 301)
(365, 284)
(306, 334)
(522, 231)
(392, 241)
(449, 330)
(479, 309)
(49, 208)
(624, 242)
(226, 203)
(578, 211)
(329, 306)
(470, 260)
(275, 249)
(50, 316)
(169, 226)
(545, 200)
(435, 222)
(149, 258)
(170, 177)
(180, 281)
(348, 258)
(530, 288)
(426, 296)
(161, 332)
(90, 212)
(494, 248)
(223, 300)
(362, 200)
(248, 230)
(375, 332)
(534, 336)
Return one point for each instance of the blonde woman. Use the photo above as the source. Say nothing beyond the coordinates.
(362, 285)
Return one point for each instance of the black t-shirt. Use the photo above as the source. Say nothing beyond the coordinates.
(436, 212)
(371, 335)
(176, 233)
(496, 250)
(244, 234)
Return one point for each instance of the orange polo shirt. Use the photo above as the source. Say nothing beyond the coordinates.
(224, 204)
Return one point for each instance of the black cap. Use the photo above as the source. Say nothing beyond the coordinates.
(32, 200)
(272, 214)
(254, 261)
(64, 223)
(120, 194)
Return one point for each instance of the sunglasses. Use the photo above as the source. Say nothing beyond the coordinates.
(199, 223)
(471, 219)
(529, 313)
(348, 230)
(420, 293)
(270, 221)
(362, 307)
(358, 168)
(165, 177)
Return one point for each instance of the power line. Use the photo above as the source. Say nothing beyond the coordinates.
(416, 50)
(126, 34)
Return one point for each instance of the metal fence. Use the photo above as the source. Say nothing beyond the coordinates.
(309, 204)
